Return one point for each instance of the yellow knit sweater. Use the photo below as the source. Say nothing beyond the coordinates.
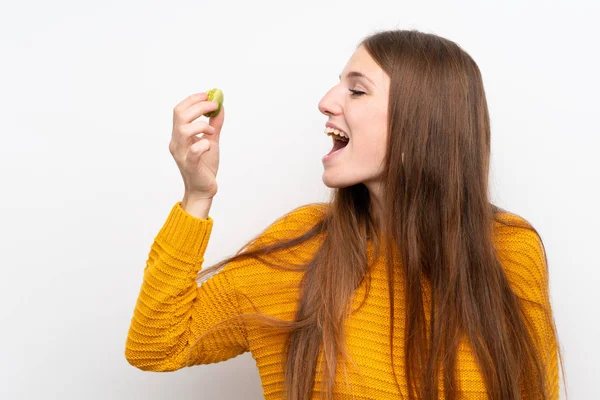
(172, 310)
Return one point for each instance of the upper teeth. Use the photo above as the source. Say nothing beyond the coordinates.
(329, 131)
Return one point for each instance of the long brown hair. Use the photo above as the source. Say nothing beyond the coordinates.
(438, 220)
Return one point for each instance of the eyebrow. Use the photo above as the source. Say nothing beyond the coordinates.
(356, 74)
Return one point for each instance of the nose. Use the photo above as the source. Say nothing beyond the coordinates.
(328, 104)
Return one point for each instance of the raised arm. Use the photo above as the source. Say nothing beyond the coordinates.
(172, 311)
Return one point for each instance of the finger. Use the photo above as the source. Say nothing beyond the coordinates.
(196, 150)
(196, 110)
(190, 100)
(195, 128)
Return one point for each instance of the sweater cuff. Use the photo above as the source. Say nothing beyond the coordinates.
(185, 234)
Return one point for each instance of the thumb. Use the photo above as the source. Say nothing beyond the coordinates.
(217, 121)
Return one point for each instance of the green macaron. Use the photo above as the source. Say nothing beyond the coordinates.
(215, 95)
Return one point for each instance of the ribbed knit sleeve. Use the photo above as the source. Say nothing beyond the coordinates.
(172, 311)
(528, 271)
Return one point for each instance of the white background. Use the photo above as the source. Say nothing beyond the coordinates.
(87, 92)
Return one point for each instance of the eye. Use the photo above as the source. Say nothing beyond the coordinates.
(356, 92)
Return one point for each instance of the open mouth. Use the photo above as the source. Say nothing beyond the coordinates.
(338, 144)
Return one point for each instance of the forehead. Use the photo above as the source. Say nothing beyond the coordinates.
(362, 62)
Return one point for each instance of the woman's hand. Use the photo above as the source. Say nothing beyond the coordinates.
(197, 158)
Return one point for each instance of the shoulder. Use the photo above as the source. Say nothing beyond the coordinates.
(522, 254)
(513, 232)
(259, 279)
(310, 212)
(296, 221)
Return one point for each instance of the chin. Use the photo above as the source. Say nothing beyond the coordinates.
(336, 182)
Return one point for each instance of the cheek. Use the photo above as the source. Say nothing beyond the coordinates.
(366, 150)
(369, 145)
(369, 154)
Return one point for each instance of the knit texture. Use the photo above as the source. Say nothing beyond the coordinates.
(173, 310)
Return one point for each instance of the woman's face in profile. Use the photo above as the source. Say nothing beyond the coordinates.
(358, 106)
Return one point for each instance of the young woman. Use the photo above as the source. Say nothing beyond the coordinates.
(408, 283)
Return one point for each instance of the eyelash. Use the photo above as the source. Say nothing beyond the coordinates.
(356, 92)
